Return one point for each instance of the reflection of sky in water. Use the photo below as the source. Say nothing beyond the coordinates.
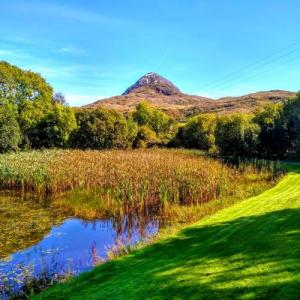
(69, 245)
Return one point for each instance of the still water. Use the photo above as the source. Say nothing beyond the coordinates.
(73, 246)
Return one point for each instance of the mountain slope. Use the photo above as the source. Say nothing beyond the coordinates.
(155, 82)
(248, 251)
(164, 95)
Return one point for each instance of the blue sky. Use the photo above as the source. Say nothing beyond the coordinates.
(95, 49)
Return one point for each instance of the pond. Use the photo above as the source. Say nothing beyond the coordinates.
(64, 245)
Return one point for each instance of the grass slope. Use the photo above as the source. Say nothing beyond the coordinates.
(248, 251)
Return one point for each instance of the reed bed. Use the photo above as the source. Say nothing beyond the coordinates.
(127, 177)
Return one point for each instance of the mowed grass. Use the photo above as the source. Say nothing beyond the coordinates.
(248, 251)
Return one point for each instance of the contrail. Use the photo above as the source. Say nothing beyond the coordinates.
(163, 59)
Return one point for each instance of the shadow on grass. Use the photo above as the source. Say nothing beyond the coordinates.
(256, 257)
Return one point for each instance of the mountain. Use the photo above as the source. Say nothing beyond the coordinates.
(164, 95)
(155, 82)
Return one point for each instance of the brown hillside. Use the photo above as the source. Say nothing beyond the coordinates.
(162, 94)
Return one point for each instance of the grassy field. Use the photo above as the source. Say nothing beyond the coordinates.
(248, 251)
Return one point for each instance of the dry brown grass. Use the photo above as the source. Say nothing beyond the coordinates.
(180, 105)
(124, 177)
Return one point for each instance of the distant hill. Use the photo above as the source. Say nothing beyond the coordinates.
(164, 95)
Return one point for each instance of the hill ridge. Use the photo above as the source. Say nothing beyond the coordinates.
(164, 95)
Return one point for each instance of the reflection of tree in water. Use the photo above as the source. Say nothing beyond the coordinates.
(130, 225)
(129, 221)
(135, 221)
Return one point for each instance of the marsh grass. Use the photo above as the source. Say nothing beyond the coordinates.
(127, 177)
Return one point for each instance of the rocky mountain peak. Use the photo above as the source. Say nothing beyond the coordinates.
(156, 82)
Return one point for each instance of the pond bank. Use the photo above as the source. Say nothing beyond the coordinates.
(249, 250)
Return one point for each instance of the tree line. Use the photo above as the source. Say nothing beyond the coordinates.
(32, 116)
(272, 132)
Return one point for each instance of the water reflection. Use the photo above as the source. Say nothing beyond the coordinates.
(73, 240)
(75, 246)
(42, 241)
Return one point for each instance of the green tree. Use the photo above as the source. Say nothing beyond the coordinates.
(29, 93)
(54, 129)
(272, 139)
(20, 86)
(291, 122)
(146, 138)
(199, 132)
(10, 135)
(236, 135)
(160, 123)
(102, 129)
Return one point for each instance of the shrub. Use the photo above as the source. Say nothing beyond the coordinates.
(158, 122)
(102, 129)
(146, 138)
(236, 135)
(54, 129)
(199, 132)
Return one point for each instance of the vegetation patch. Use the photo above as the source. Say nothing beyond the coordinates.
(145, 176)
(24, 222)
(248, 251)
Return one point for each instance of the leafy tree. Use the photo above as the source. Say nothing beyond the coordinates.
(54, 129)
(160, 123)
(272, 137)
(291, 122)
(10, 135)
(146, 138)
(236, 135)
(132, 131)
(199, 132)
(102, 129)
(29, 93)
(19, 86)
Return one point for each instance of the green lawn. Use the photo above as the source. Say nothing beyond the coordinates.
(248, 251)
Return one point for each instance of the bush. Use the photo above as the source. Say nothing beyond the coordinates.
(158, 122)
(102, 129)
(237, 135)
(146, 138)
(54, 129)
(199, 132)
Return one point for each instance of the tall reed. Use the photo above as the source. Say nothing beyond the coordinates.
(127, 177)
